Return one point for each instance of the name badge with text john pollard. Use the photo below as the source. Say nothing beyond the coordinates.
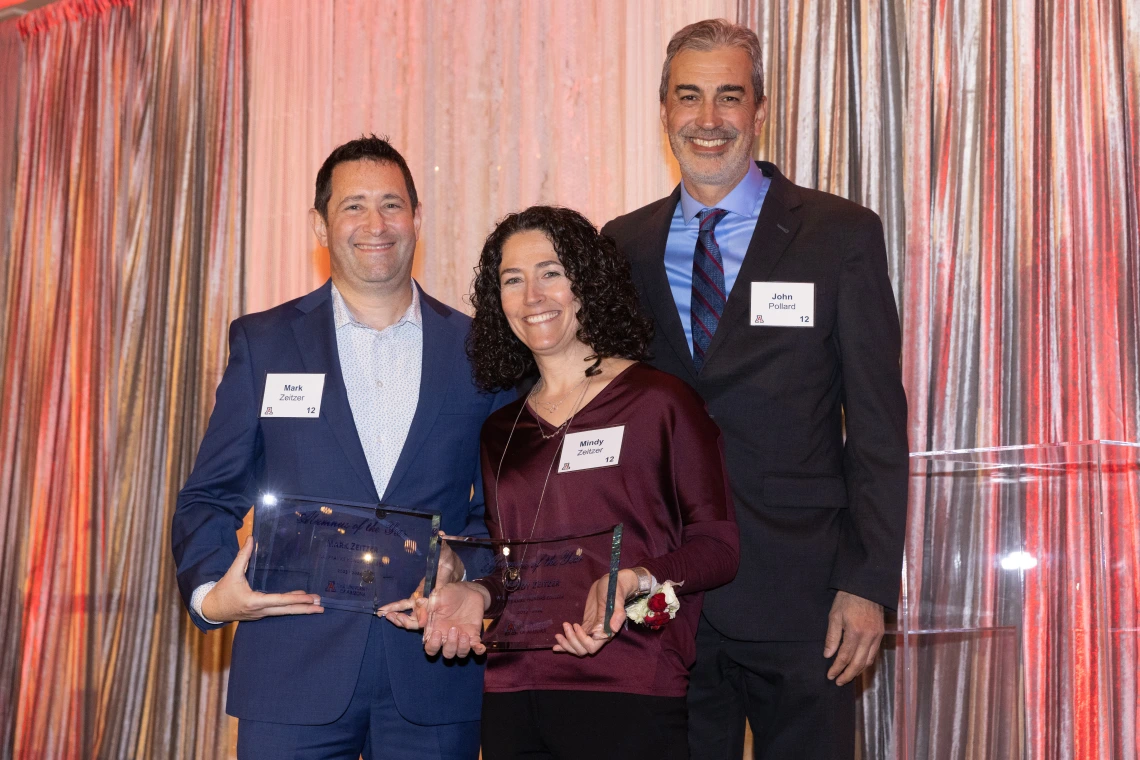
(783, 304)
(292, 394)
(591, 449)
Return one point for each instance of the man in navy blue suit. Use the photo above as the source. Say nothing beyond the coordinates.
(397, 421)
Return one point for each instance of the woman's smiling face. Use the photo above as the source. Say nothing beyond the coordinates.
(536, 296)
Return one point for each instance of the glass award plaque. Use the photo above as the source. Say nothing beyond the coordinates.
(357, 557)
(545, 581)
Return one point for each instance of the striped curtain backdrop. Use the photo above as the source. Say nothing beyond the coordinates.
(1000, 142)
(496, 104)
(155, 173)
(123, 209)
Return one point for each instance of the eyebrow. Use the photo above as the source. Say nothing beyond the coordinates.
(362, 196)
(719, 90)
(539, 265)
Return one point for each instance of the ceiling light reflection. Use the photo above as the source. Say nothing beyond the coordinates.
(1018, 561)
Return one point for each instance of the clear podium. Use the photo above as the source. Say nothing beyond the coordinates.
(1018, 629)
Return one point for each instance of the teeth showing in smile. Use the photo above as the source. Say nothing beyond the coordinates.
(539, 318)
(708, 143)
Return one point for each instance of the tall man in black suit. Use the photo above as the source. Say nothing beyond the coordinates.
(773, 301)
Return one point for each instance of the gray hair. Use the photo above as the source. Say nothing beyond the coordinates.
(711, 34)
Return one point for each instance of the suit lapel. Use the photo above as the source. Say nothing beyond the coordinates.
(775, 229)
(436, 371)
(315, 333)
(655, 282)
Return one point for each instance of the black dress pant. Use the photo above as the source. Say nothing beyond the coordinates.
(780, 687)
(573, 725)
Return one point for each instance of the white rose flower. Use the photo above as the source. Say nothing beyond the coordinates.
(637, 609)
(671, 601)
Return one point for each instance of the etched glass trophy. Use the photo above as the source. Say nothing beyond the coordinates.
(545, 582)
(357, 557)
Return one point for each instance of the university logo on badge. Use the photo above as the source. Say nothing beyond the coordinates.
(268, 411)
(565, 465)
(759, 319)
(331, 588)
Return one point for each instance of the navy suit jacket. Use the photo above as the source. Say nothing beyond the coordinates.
(303, 669)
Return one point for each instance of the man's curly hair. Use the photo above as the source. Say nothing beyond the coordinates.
(610, 319)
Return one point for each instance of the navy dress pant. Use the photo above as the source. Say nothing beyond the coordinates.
(371, 726)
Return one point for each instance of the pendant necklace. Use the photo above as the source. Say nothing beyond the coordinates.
(512, 578)
(553, 407)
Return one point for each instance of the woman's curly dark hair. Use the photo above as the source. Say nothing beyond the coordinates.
(610, 319)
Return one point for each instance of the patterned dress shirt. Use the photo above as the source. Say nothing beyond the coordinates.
(381, 370)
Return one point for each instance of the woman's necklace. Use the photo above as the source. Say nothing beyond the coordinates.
(554, 432)
(551, 408)
(512, 579)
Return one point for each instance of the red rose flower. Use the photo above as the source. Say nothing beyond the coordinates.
(657, 602)
(654, 620)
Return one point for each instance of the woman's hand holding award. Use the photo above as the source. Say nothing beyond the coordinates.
(528, 593)
(589, 636)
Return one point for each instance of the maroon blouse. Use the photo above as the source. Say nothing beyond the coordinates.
(670, 490)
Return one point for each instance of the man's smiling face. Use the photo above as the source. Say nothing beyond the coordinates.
(711, 115)
(371, 229)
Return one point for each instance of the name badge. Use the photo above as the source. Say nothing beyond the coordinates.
(783, 304)
(591, 449)
(292, 395)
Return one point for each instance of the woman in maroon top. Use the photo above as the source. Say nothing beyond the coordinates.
(551, 294)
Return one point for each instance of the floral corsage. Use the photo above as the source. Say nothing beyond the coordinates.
(656, 608)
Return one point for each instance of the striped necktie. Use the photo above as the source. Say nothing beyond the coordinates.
(708, 285)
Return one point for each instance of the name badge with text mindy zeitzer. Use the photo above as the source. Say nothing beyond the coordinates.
(292, 395)
(783, 304)
(591, 449)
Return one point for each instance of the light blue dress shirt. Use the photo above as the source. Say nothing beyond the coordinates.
(733, 234)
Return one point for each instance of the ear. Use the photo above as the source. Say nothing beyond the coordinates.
(320, 228)
(761, 115)
(418, 218)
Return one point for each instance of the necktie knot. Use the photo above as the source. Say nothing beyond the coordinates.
(708, 218)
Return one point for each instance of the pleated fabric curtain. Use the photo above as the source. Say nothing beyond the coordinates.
(123, 205)
(496, 104)
(1000, 143)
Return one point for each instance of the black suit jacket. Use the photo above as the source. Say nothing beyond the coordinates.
(817, 513)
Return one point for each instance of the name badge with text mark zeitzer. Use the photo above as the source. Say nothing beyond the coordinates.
(783, 304)
(591, 449)
(292, 395)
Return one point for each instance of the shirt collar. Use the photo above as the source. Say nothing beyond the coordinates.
(744, 199)
(343, 316)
